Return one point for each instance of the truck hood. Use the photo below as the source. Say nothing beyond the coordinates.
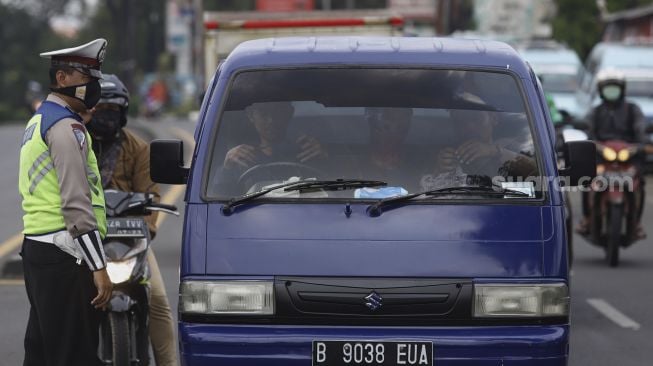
(408, 241)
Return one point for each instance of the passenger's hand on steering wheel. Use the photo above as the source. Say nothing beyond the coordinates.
(241, 155)
(310, 148)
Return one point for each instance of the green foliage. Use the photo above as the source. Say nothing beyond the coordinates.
(617, 5)
(135, 31)
(578, 23)
(22, 37)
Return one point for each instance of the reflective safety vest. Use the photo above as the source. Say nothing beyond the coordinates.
(38, 183)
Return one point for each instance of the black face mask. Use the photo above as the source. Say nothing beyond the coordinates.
(105, 124)
(88, 93)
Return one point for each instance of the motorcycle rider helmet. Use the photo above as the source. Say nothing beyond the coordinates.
(611, 85)
(111, 111)
(115, 92)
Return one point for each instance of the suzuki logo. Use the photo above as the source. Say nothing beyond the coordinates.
(374, 301)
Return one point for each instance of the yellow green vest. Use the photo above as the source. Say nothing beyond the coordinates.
(37, 180)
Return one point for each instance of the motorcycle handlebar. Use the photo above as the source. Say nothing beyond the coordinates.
(171, 209)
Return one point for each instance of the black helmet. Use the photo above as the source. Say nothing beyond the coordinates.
(115, 92)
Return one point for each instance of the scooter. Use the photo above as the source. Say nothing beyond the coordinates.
(615, 206)
(124, 338)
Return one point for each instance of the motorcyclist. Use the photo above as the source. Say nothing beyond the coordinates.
(615, 119)
(123, 159)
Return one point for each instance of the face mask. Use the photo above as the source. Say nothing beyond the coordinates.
(611, 92)
(105, 124)
(88, 93)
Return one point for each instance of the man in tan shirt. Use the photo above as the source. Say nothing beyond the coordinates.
(124, 161)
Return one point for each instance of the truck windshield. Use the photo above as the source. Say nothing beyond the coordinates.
(416, 129)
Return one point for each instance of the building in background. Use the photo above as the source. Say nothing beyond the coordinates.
(631, 24)
(514, 19)
(419, 15)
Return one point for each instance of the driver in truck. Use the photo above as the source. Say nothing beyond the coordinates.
(270, 120)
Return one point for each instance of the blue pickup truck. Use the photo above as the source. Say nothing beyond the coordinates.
(374, 201)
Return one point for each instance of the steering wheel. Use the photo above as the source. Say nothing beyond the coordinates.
(279, 169)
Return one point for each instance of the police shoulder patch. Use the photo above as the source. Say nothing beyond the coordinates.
(80, 134)
(29, 132)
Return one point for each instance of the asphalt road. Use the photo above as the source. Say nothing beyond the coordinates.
(612, 323)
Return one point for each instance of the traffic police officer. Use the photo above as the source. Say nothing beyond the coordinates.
(64, 216)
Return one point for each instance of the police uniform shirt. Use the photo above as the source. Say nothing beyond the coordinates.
(68, 149)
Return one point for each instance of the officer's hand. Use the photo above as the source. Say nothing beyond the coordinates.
(243, 155)
(104, 288)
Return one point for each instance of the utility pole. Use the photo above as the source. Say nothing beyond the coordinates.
(198, 44)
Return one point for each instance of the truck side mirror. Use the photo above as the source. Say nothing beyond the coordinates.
(167, 162)
(580, 163)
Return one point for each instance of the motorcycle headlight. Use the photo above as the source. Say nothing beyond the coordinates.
(227, 297)
(609, 154)
(508, 300)
(121, 271)
(623, 155)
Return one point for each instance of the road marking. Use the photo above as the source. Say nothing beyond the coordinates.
(11, 244)
(613, 314)
(4, 282)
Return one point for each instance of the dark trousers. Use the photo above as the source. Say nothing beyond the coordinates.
(63, 325)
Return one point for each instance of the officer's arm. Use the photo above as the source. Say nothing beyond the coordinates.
(68, 149)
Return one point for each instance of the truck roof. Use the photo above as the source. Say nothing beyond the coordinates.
(406, 51)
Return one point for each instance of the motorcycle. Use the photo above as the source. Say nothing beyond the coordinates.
(124, 338)
(615, 205)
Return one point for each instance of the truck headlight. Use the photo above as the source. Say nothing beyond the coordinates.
(121, 271)
(227, 297)
(512, 300)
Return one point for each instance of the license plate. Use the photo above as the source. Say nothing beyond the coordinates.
(126, 227)
(345, 353)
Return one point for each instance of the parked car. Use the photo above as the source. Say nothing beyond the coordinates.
(559, 69)
(373, 201)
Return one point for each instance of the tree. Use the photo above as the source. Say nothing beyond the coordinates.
(578, 22)
(135, 31)
(23, 37)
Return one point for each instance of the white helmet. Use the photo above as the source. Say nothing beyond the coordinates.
(611, 78)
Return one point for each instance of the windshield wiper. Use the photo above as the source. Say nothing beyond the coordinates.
(302, 185)
(375, 209)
